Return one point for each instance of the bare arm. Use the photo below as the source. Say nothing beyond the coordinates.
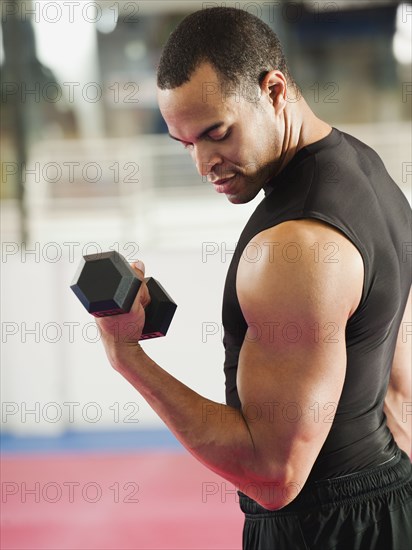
(256, 449)
(294, 364)
(398, 401)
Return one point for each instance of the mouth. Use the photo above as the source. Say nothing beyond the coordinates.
(224, 185)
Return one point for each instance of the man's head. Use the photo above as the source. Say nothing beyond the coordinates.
(222, 88)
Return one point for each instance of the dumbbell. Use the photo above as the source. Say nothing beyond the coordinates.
(106, 285)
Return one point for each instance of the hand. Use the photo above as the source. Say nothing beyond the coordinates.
(122, 332)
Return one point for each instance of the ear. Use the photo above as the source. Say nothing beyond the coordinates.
(274, 86)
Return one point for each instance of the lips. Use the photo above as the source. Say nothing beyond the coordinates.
(224, 185)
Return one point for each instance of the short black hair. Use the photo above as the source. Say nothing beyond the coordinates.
(241, 47)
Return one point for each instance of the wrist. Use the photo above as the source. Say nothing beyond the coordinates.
(126, 357)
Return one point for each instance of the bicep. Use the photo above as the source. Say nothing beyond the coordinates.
(288, 392)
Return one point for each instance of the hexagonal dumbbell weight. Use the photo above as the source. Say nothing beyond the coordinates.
(107, 285)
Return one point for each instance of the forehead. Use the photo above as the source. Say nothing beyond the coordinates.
(197, 102)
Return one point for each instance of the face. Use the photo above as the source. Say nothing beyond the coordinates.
(233, 142)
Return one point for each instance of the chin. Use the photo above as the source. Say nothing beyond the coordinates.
(242, 198)
(236, 199)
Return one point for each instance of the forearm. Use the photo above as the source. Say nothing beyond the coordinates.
(217, 435)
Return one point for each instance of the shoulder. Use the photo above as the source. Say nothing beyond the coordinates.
(304, 260)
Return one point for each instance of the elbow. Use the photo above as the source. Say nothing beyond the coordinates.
(274, 492)
(274, 483)
(280, 496)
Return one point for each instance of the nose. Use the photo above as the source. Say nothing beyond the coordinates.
(205, 158)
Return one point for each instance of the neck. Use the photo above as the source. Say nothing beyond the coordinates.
(302, 127)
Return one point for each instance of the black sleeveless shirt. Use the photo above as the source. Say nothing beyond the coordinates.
(344, 183)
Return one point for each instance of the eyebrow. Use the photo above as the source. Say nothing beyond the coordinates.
(202, 134)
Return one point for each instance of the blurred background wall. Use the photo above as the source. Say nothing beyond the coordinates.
(86, 166)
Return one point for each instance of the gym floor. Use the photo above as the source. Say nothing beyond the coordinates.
(113, 491)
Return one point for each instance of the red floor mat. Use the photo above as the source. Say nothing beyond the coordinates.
(141, 501)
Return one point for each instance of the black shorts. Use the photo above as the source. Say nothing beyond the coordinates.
(369, 510)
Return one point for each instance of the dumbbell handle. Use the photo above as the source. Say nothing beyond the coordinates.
(90, 287)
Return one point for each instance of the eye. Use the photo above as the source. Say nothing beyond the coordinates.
(220, 137)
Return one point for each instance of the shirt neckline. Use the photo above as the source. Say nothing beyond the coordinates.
(332, 139)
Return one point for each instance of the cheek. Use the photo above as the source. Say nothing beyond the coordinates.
(254, 152)
(245, 150)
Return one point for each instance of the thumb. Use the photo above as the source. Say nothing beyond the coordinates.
(139, 266)
(143, 290)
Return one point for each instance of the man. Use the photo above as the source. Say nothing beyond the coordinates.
(313, 329)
